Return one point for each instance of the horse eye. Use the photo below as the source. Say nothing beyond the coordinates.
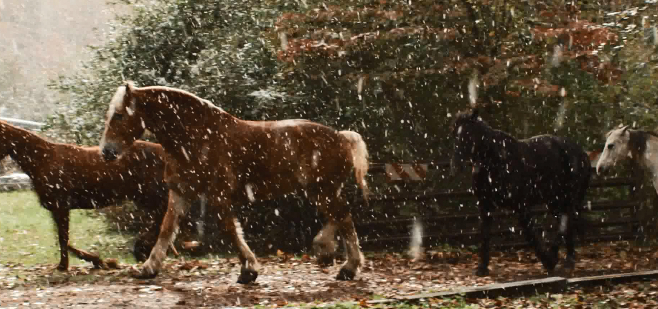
(610, 146)
(117, 116)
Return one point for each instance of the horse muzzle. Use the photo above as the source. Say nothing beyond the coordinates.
(601, 170)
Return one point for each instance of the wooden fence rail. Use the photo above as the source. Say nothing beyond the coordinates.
(607, 217)
(447, 210)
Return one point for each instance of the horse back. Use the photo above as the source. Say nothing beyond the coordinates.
(558, 149)
(302, 141)
(279, 156)
(533, 170)
(83, 174)
(558, 159)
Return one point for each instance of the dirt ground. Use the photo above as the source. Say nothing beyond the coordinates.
(286, 279)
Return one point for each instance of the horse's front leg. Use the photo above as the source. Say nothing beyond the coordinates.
(61, 218)
(177, 207)
(250, 266)
(485, 234)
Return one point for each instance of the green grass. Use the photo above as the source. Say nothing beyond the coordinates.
(28, 235)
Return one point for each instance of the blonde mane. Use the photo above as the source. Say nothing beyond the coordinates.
(117, 101)
(183, 92)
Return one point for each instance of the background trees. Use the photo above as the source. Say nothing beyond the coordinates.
(395, 71)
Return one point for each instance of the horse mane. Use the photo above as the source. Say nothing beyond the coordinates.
(178, 91)
(467, 116)
(637, 140)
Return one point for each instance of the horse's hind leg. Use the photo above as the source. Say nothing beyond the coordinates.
(324, 244)
(564, 230)
(177, 207)
(334, 207)
(570, 261)
(574, 222)
(485, 233)
(94, 258)
(354, 255)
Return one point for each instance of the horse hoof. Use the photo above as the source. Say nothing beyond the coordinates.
(345, 275)
(482, 272)
(325, 260)
(550, 266)
(569, 264)
(143, 273)
(62, 267)
(247, 276)
(112, 264)
(99, 264)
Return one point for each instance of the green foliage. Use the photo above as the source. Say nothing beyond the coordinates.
(395, 71)
(212, 48)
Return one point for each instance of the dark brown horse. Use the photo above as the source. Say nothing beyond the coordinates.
(69, 177)
(519, 174)
(223, 161)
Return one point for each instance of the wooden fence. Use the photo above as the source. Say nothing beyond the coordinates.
(8, 183)
(447, 211)
(450, 215)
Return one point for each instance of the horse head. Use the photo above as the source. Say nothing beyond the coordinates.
(465, 134)
(615, 149)
(123, 124)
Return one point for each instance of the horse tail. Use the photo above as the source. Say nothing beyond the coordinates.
(583, 222)
(583, 178)
(359, 152)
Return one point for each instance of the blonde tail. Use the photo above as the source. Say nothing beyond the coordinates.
(359, 160)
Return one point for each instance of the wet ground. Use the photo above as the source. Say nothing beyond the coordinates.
(287, 279)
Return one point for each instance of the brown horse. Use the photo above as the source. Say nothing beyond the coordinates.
(216, 157)
(69, 177)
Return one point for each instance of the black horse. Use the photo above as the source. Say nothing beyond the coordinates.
(518, 174)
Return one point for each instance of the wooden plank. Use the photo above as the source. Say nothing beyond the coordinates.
(527, 287)
(511, 289)
(614, 279)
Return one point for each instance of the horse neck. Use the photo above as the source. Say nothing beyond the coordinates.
(649, 154)
(488, 148)
(27, 148)
(169, 124)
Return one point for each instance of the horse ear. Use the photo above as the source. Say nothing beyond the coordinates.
(130, 87)
(624, 130)
(475, 113)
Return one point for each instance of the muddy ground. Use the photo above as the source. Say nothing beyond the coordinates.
(287, 279)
